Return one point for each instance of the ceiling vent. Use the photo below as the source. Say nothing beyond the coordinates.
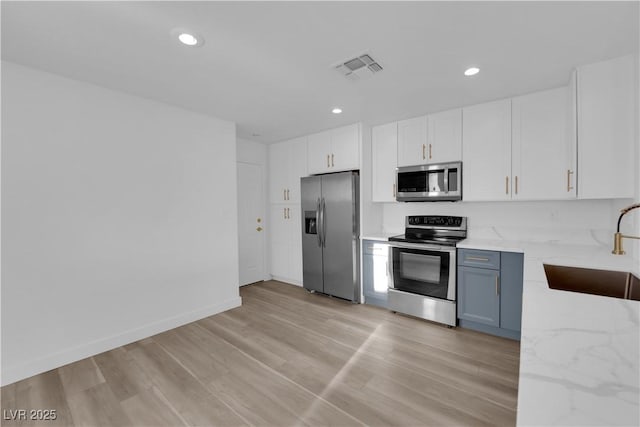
(358, 68)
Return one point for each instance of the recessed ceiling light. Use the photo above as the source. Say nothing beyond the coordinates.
(188, 39)
(336, 110)
(472, 71)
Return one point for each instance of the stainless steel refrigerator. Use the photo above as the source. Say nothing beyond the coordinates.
(330, 234)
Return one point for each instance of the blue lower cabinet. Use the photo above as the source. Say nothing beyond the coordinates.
(478, 298)
(490, 294)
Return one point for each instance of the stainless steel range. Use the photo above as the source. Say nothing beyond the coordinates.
(423, 267)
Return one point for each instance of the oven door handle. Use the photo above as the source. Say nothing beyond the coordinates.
(423, 246)
(390, 283)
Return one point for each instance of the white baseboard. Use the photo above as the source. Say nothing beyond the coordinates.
(287, 280)
(45, 363)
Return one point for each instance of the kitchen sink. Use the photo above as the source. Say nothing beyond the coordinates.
(616, 284)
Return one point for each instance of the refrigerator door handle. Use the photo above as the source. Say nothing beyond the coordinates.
(318, 229)
(324, 228)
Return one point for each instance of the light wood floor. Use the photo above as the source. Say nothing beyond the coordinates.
(287, 357)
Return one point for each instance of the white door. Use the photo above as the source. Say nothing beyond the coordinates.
(384, 152)
(345, 153)
(542, 160)
(412, 141)
(319, 152)
(250, 223)
(445, 136)
(486, 151)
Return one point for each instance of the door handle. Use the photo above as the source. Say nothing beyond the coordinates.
(516, 184)
(259, 229)
(497, 286)
(259, 220)
(429, 151)
(288, 197)
(506, 185)
(332, 165)
(288, 213)
(477, 258)
(318, 229)
(569, 173)
(284, 194)
(324, 229)
(423, 148)
(328, 165)
(284, 213)
(394, 190)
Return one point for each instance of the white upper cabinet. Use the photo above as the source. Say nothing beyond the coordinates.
(334, 150)
(384, 147)
(486, 151)
(287, 164)
(444, 140)
(345, 148)
(412, 141)
(543, 145)
(606, 119)
(319, 152)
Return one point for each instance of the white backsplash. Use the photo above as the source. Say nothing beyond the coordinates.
(590, 222)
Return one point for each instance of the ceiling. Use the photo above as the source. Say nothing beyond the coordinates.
(268, 65)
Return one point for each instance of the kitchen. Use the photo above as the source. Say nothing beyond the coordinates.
(575, 354)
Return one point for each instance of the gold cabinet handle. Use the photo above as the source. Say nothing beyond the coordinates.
(328, 165)
(477, 258)
(569, 173)
(497, 286)
(284, 194)
(288, 213)
(259, 229)
(288, 197)
(259, 220)
(332, 165)
(506, 185)
(516, 184)
(429, 151)
(394, 190)
(423, 148)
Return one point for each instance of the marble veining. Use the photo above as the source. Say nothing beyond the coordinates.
(580, 353)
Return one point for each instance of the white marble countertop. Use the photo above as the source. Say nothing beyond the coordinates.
(381, 237)
(580, 353)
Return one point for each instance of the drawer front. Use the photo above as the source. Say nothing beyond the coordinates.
(478, 258)
(372, 247)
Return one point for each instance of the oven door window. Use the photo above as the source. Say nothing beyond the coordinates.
(421, 272)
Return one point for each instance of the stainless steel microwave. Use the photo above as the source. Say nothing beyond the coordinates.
(429, 183)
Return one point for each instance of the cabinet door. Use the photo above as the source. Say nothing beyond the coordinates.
(345, 148)
(280, 241)
(511, 290)
(278, 172)
(319, 153)
(384, 148)
(486, 151)
(294, 228)
(297, 168)
(606, 121)
(412, 141)
(542, 161)
(445, 136)
(478, 295)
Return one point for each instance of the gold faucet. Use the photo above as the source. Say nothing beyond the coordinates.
(618, 236)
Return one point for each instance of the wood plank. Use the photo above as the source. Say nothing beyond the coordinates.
(287, 357)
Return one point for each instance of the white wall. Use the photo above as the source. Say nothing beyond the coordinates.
(573, 221)
(257, 153)
(118, 219)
